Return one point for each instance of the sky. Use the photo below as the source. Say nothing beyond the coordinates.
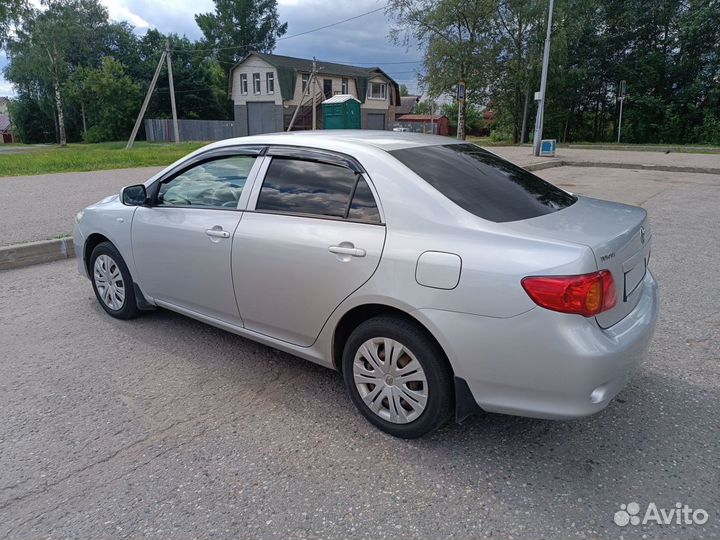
(363, 41)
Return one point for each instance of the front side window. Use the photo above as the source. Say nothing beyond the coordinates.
(483, 183)
(243, 84)
(212, 184)
(344, 86)
(270, 82)
(377, 90)
(256, 83)
(320, 189)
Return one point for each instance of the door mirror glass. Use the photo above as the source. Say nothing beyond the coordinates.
(133, 195)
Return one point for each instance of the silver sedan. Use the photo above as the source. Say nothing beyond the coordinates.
(440, 279)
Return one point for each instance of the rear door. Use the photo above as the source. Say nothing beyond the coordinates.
(312, 235)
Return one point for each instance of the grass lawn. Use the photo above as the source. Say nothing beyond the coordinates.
(487, 141)
(91, 157)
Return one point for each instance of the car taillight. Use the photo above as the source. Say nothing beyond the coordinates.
(586, 294)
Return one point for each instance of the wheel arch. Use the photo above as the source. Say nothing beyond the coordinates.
(91, 243)
(465, 403)
(361, 313)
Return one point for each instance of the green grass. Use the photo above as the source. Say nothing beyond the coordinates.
(487, 141)
(92, 157)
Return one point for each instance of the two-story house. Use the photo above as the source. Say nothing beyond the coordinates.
(266, 89)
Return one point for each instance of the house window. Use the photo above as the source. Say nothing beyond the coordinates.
(243, 83)
(344, 86)
(377, 90)
(305, 79)
(270, 82)
(256, 83)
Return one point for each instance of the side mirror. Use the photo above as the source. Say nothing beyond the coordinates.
(133, 195)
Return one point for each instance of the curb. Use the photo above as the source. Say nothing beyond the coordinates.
(544, 165)
(20, 255)
(617, 165)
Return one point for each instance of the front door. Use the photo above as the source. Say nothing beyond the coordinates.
(305, 248)
(182, 243)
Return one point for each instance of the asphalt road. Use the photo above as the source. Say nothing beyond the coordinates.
(44, 206)
(165, 427)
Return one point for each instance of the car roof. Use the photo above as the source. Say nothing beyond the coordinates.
(326, 139)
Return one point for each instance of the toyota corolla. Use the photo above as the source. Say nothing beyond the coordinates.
(438, 278)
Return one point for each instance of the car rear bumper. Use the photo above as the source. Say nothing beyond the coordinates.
(545, 364)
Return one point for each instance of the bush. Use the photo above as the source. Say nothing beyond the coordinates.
(501, 134)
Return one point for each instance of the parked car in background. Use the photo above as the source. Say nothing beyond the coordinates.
(437, 277)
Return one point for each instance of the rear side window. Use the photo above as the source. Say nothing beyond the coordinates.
(482, 183)
(322, 189)
(363, 205)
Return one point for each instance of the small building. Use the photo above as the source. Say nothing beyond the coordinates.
(437, 124)
(266, 90)
(407, 105)
(6, 135)
(341, 112)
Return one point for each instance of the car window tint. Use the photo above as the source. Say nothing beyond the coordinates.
(363, 205)
(306, 187)
(483, 183)
(214, 184)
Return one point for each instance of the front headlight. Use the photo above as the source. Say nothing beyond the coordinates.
(79, 216)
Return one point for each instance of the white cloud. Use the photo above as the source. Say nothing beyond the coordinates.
(120, 12)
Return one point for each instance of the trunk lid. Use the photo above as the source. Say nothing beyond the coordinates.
(618, 236)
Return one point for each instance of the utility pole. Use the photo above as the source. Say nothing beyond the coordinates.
(432, 117)
(172, 91)
(622, 99)
(543, 85)
(308, 90)
(314, 95)
(135, 129)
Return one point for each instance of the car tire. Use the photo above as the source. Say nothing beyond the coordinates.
(406, 395)
(112, 282)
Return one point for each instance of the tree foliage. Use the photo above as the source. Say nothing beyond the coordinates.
(237, 27)
(667, 51)
(79, 75)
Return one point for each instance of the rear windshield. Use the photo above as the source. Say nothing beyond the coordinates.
(482, 183)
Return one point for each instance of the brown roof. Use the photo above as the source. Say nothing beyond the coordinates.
(421, 117)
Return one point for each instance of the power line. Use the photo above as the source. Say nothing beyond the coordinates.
(335, 23)
(290, 36)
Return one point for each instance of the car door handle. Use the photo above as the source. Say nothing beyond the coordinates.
(343, 250)
(217, 232)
